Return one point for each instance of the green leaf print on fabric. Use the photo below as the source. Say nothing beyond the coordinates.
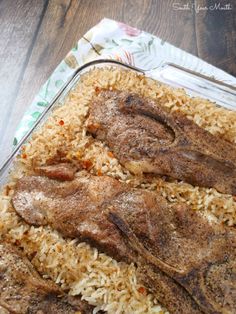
(150, 43)
(42, 104)
(62, 67)
(31, 123)
(146, 52)
(15, 142)
(44, 90)
(125, 40)
(162, 42)
(110, 43)
(75, 48)
(59, 83)
(114, 42)
(35, 115)
(146, 48)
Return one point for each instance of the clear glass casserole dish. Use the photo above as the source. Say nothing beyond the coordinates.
(195, 84)
(76, 266)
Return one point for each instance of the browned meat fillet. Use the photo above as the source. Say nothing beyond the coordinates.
(199, 255)
(80, 209)
(59, 171)
(23, 291)
(146, 138)
(73, 208)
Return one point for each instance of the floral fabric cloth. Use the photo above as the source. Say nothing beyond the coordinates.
(114, 40)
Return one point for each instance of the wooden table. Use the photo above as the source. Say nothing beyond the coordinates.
(37, 34)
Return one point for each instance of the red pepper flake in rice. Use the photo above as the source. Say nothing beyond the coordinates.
(61, 122)
(110, 154)
(7, 190)
(99, 172)
(97, 90)
(87, 164)
(142, 290)
(24, 156)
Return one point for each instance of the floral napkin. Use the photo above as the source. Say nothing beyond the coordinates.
(114, 40)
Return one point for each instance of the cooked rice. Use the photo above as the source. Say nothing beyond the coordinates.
(77, 267)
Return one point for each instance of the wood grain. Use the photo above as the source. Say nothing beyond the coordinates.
(37, 34)
(216, 34)
(19, 23)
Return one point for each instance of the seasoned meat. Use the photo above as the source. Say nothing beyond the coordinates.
(59, 171)
(73, 208)
(23, 291)
(146, 138)
(173, 245)
(80, 208)
(169, 293)
(199, 255)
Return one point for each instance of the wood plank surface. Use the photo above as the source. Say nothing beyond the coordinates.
(216, 34)
(37, 34)
(19, 23)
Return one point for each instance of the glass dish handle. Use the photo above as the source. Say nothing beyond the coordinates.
(195, 84)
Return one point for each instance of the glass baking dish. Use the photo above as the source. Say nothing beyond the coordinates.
(194, 83)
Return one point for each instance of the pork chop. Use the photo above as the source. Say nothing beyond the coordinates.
(146, 138)
(73, 208)
(199, 255)
(175, 248)
(23, 291)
